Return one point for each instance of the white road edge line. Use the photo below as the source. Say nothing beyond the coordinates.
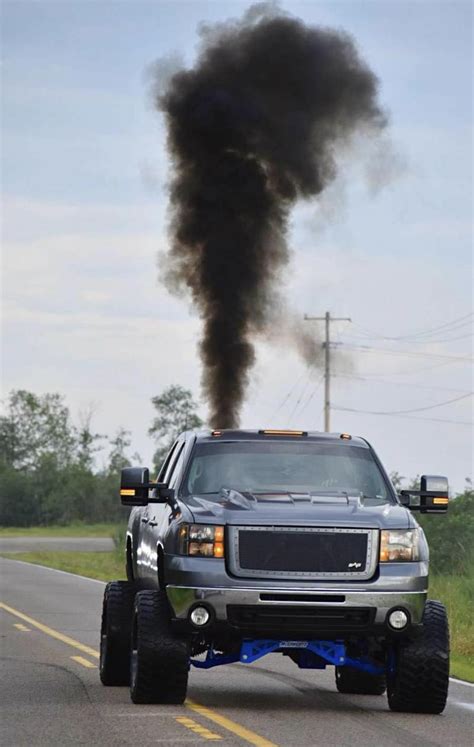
(55, 570)
(461, 682)
(96, 581)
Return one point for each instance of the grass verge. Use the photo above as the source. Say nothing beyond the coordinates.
(71, 530)
(104, 566)
(456, 592)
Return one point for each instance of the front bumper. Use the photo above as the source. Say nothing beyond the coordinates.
(192, 581)
(220, 600)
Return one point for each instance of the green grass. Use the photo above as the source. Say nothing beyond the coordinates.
(71, 530)
(105, 566)
(456, 592)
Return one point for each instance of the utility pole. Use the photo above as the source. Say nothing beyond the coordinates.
(327, 318)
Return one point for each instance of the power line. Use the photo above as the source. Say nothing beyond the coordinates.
(415, 409)
(398, 383)
(421, 333)
(426, 341)
(285, 399)
(371, 348)
(409, 417)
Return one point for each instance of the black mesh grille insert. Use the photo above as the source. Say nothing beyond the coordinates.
(283, 551)
(296, 620)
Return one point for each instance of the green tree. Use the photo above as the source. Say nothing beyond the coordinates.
(34, 427)
(176, 412)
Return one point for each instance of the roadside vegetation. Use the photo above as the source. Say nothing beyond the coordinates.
(54, 471)
(76, 529)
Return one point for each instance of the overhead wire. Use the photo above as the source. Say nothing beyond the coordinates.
(415, 409)
(409, 417)
(397, 383)
(410, 353)
(447, 326)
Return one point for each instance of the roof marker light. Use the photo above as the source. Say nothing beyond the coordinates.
(270, 432)
(216, 433)
(346, 436)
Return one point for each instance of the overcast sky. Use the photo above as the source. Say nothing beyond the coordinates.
(84, 217)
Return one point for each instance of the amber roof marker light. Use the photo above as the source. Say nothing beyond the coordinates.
(272, 432)
(346, 436)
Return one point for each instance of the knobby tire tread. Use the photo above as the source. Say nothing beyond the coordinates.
(117, 613)
(162, 657)
(420, 683)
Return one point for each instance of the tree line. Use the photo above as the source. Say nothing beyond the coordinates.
(55, 471)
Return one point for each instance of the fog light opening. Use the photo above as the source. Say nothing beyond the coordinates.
(398, 619)
(200, 616)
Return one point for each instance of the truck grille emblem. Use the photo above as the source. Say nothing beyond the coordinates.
(354, 565)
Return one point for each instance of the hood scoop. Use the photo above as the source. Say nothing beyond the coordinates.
(247, 500)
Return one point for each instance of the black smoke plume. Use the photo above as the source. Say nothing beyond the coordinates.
(253, 127)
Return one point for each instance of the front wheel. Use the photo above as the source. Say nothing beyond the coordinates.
(159, 663)
(420, 680)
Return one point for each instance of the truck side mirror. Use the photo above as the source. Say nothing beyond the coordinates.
(134, 486)
(432, 497)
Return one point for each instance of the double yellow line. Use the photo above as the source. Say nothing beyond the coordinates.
(226, 723)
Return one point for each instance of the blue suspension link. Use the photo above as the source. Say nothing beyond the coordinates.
(312, 655)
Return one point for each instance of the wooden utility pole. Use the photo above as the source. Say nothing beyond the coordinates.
(327, 318)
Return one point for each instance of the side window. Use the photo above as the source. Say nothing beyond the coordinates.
(177, 466)
(165, 468)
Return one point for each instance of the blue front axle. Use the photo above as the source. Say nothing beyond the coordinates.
(308, 655)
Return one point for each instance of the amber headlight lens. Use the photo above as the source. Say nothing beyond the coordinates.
(201, 540)
(398, 545)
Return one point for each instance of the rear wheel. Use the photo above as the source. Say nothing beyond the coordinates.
(420, 681)
(159, 659)
(355, 682)
(117, 610)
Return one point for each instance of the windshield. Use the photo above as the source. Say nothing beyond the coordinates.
(289, 467)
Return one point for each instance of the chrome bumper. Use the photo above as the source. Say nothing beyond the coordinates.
(182, 598)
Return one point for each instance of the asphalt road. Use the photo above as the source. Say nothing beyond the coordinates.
(41, 544)
(51, 694)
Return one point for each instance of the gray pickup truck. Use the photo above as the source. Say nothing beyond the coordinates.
(276, 541)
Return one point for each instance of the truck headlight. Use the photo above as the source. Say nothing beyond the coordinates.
(200, 539)
(399, 545)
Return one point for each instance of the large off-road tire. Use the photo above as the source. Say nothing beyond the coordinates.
(159, 663)
(355, 682)
(115, 633)
(421, 678)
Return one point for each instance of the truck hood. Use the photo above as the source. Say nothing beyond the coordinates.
(290, 509)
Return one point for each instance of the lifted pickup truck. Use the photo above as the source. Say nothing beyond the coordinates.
(258, 542)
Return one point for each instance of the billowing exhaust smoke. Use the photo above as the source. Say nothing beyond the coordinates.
(253, 127)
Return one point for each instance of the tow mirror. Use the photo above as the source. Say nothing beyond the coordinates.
(432, 497)
(135, 486)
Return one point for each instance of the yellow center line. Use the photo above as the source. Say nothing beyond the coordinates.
(23, 628)
(85, 662)
(189, 723)
(49, 631)
(241, 731)
(227, 723)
